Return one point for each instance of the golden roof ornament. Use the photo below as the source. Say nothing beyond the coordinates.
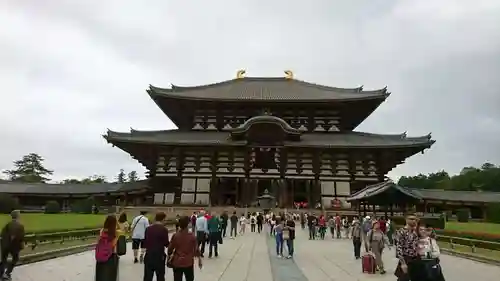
(241, 74)
(288, 74)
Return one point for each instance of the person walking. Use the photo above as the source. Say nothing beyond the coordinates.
(322, 227)
(253, 222)
(107, 260)
(260, 222)
(182, 252)
(138, 230)
(224, 218)
(311, 225)
(428, 251)
(155, 242)
(377, 241)
(366, 226)
(289, 236)
(243, 224)
(234, 225)
(278, 235)
(407, 250)
(11, 244)
(356, 234)
(214, 235)
(201, 230)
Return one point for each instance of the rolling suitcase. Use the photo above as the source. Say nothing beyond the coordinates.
(368, 264)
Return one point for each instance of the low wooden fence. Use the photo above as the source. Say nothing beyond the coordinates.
(76, 241)
(472, 243)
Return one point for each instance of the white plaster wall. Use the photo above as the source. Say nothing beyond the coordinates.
(188, 185)
(203, 185)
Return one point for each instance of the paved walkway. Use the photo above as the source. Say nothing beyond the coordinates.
(251, 258)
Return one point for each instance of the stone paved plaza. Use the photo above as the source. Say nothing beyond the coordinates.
(251, 258)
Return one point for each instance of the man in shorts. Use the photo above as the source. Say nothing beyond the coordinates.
(138, 230)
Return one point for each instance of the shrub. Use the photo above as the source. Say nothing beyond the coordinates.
(52, 207)
(493, 213)
(84, 206)
(463, 215)
(448, 215)
(8, 203)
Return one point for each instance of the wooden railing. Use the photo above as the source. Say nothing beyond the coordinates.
(472, 243)
(68, 242)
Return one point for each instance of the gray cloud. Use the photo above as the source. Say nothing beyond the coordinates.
(71, 69)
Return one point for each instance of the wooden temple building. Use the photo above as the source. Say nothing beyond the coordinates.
(237, 138)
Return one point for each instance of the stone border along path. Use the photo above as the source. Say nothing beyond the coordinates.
(252, 257)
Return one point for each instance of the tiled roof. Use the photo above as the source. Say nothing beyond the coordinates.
(379, 188)
(427, 194)
(46, 188)
(455, 195)
(267, 89)
(333, 139)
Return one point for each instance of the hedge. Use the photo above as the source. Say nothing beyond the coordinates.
(463, 215)
(52, 207)
(493, 213)
(8, 203)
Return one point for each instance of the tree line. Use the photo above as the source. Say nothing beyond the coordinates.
(30, 169)
(484, 178)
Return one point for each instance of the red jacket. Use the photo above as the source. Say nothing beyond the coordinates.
(383, 226)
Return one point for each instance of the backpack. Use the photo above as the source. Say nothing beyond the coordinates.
(346, 224)
(367, 226)
(103, 249)
(253, 220)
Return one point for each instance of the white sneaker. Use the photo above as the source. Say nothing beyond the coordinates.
(280, 256)
(289, 257)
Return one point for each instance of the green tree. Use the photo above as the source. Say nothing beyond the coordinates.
(132, 176)
(486, 178)
(94, 179)
(121, 177)
(29, 169)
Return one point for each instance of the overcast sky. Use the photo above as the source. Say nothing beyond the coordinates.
(71, 69)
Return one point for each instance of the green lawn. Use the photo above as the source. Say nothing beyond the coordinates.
(56, 222)
(492, 228)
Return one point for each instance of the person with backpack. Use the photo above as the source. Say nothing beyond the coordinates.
(106, 254)
(138, 230)
(366, 227)
(156, 241)
(11, 244)
(253, 222)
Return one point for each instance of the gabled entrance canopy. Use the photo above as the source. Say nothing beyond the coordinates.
(384, 194)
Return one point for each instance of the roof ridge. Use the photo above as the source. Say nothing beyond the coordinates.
(176, 88)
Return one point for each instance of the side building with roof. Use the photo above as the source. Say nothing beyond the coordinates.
(387, 198)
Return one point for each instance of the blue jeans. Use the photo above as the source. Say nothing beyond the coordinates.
(279, 243)
(289, 245)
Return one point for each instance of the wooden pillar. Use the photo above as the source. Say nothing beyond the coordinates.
(308, 191)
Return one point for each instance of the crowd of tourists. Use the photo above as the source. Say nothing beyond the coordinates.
(152, 247)
(416, 248)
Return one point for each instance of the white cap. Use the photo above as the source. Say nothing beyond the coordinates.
(367, 217)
